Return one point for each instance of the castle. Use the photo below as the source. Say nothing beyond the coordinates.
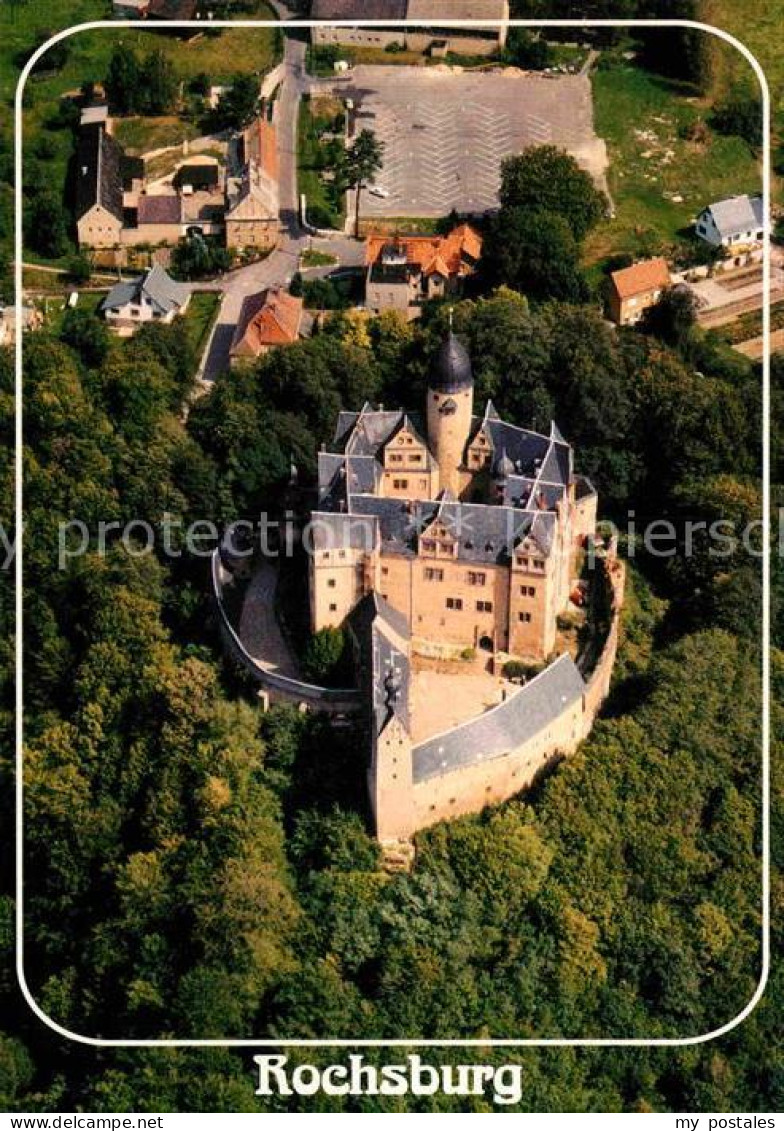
(456, 536)
(468, 526)
(445, 548)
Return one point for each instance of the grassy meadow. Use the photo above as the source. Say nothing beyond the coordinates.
(659, 179)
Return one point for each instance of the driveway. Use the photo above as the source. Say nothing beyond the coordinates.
(259, 629)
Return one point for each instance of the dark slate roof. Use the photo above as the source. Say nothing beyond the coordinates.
(503, 728)
(584, 486)
(358, 9)
(557, 464)
(341, 475)
(374, 606)
(131, 169)
(385, 670)
(98, 171)
(197, 176)
(451, 369)
(399, 521)
(156, 285)
(484, 533)
(523, 448)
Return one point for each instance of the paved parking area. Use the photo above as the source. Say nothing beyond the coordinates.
(446, 132)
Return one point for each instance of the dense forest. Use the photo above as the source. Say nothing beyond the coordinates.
(198, 868)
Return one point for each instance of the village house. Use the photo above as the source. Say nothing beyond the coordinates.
(634, 289)
(152, 297)
(268, 319)
(734, 223)
(467, 526)
(403, 271)
(99, 187)
(253, 200)
(434, 38)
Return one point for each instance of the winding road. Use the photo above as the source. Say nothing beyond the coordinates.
(278, 269)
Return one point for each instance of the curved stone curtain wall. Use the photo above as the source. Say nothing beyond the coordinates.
(281, 688)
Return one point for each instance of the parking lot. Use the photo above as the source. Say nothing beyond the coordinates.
(446, 132)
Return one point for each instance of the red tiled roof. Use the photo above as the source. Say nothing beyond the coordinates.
(271, 318)
(452, 254)
(648, 275)
(260, 143)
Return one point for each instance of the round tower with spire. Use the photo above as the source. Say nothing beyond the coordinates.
(450, 407)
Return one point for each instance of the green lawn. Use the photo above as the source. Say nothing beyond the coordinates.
(199, 317)
(54, 306)
(311, 258)
(325, 206)
(139, 135)
(640, 115)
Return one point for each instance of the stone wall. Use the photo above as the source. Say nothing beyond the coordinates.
(469, 789)
(277, 688)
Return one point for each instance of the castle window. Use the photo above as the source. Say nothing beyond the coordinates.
(527, 591)
(333, 608)
(434, 575)
(455, 603)
(331, 583)
(476, 578)
(341, 553)
(428, 546)
(384, 571)
(538, 563)
(396, 457)
(400, 484)
(525, 618)
(484, 606)
(416, 457)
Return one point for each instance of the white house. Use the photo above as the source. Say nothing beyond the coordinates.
(729, 223)
(154, 296)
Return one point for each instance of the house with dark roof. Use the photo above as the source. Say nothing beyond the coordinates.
(435, 37)
(152, 297)
(467, 525)
(404, 271)
(736, 222)
(99, 187)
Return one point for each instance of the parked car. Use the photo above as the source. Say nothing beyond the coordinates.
(377, 190)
